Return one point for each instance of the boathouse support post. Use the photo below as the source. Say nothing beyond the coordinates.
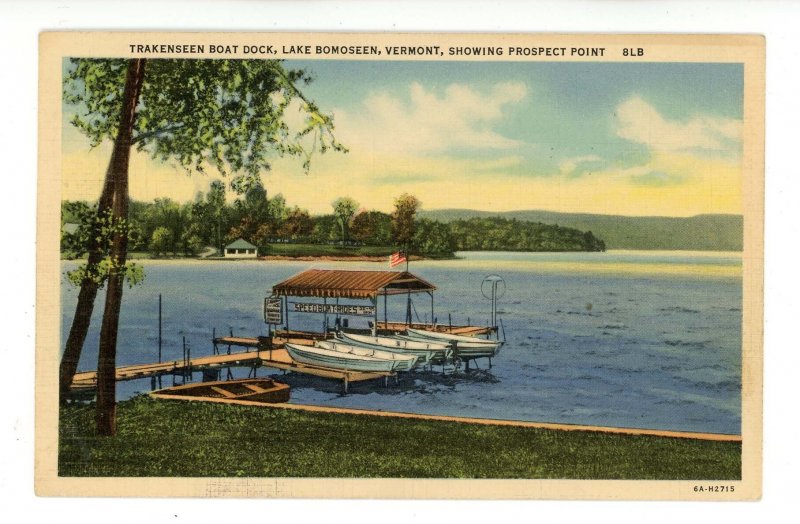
(374, 301)
(431, 294)
(286, 308)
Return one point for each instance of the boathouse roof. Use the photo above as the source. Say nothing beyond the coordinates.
(351, 284)
(240, 243)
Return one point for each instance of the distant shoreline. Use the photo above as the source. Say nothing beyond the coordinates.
(134, 257)
(341, 258)
(269, 258)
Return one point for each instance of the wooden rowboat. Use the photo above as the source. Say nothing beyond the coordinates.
(263, 390)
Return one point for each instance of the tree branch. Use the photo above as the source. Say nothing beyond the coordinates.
(145, 136)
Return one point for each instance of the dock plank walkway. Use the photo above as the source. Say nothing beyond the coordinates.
(275, 358)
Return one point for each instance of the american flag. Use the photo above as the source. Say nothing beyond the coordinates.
(397, 259)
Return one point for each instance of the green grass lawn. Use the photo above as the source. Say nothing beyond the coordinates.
(193, 439)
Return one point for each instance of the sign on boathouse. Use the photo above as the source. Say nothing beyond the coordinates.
(335, 309)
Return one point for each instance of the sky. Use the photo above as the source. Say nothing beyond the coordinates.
(611, 138)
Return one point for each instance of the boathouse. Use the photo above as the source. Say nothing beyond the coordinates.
(336, 286)
(241, 248)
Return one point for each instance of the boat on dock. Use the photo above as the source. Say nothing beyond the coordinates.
(404, 362)
(328, 358)
(465, 346)
(263, 390)
(426, 351)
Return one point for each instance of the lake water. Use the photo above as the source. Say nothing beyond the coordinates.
(633, 339)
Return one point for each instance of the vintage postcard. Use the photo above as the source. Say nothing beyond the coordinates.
(493, 266)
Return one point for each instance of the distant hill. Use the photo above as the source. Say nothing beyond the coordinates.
(700, 232)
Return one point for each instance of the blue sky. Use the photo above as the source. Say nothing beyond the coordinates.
(616, 138)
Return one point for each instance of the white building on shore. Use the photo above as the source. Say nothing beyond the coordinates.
(241, 248)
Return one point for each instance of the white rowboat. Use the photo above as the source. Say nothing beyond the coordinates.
(464, 345)
(326, 358)
(403, 362)
(426, 350)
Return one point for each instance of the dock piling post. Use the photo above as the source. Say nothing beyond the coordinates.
(159, 338)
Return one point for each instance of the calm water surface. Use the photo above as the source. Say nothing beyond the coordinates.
(635, 339)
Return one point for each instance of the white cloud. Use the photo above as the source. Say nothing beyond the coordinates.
(427, 121)
(640, 122)
(569, 165)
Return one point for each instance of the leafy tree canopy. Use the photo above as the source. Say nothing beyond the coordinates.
(228, 114)
(405, 209)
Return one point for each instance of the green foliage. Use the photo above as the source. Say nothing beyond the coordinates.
(433, 238)
(344, 208)
(80, 217)
(405, 209)
(325, 250)
(161, 241)
(372, 228)
(268, 222)
(500, 234)
(326, 229)
(132, 273)
(194, 439)
(701, 232)
(75, 244)
(227, 114)
(298, 224)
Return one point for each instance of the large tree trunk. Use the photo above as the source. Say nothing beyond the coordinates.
(88, 292)
(105, 417)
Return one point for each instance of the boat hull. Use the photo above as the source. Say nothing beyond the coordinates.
(262, 390)
(427, 351)
(331, 359)
(403, 361)
(464, 346)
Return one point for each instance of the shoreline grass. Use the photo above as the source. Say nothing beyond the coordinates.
(194, 439)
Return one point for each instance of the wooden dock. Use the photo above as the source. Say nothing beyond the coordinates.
(276, 358)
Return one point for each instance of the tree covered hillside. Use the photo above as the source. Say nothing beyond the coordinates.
(502, 234)
(700, 233)
(164, 227)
